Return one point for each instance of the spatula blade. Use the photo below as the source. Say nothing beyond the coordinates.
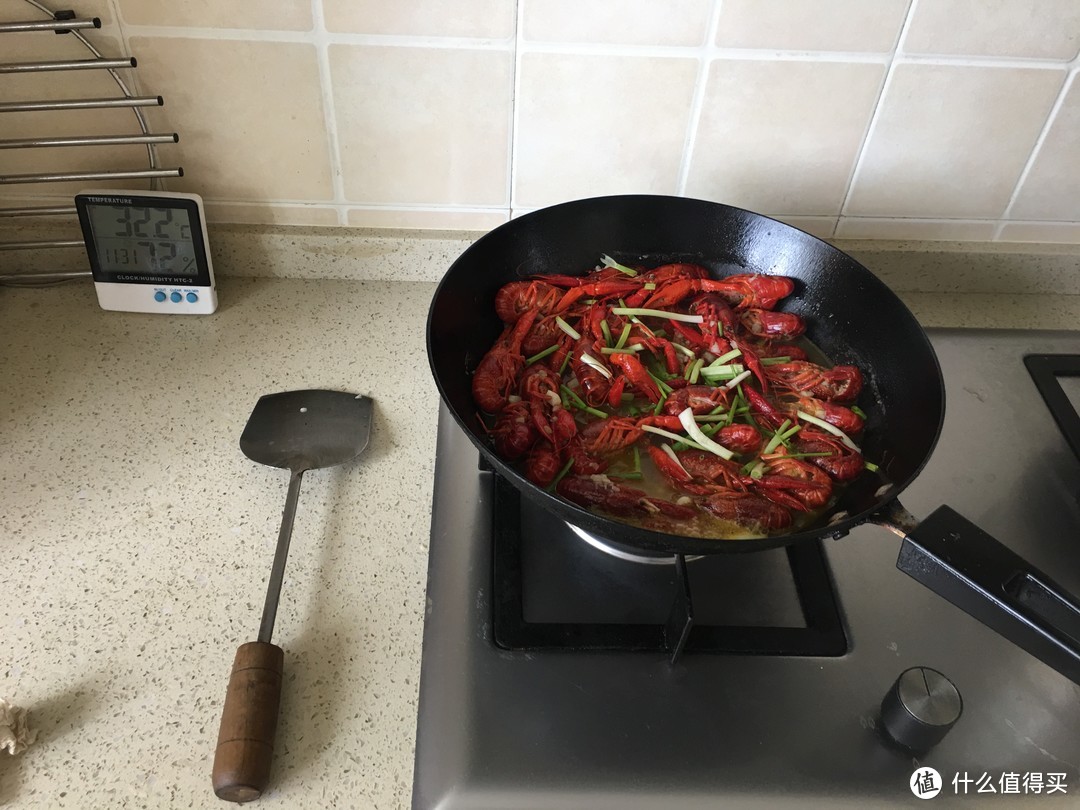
(307, 430)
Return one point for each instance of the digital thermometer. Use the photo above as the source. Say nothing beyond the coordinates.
(148, 251)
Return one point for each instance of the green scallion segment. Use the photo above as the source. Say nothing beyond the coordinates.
(565, 363)
(542, 355)
(580, 404)
(787, 434)
(859, 412)
(777, 438)
(690, 426)
(821, 423)
(572, 396)
(696, 370)
(871, 466)
(606, 330)
(623, 337)
(730, 370)
(571, 331)
(607, 261)
(595, 364)
(774, 361)
(737, 380)
(726, 358)
(656, 313)
(673, 436)
(665, 389)
(559, 476)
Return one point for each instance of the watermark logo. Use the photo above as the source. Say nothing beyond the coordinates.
(925, 783)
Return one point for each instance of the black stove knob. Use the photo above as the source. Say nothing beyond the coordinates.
(920, 708)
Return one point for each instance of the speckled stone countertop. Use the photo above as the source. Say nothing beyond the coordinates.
(136, 538)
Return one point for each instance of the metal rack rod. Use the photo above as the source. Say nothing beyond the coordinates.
(39, 211)
(48, 25)
(150, 151)
(47, 243)
(34, 279)
(81, 104)
(70, 64)
(60, 177)
(88, 140)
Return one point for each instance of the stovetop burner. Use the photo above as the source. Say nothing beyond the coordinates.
(554, 591)
(529, 697)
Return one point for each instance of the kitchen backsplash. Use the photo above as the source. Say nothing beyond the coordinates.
(883, 119)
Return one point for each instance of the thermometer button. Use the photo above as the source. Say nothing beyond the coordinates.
(175, 297)
(159, 296)
(192, 297)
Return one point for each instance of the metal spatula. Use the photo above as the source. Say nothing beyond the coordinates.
(298, 431)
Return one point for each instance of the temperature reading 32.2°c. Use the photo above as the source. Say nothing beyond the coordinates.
(143, 238)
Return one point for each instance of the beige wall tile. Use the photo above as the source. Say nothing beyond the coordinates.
(631, 22)
(430, 219)
(915, 229)
(781, 136)
(1048, 29)
(271, 214)
(951, 141)
(811, 25)
(282, 15)
(1059, 232)
(493, 19)
(11, 10)
(260, 135)
(423, 125)
(1052, 188)
(590, 125)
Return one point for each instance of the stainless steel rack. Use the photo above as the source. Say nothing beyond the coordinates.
(68, 23)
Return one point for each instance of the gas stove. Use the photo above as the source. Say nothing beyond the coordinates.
(548, 678)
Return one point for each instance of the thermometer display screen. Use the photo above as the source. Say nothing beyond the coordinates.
(143, 239)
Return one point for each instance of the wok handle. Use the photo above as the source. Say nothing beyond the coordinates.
(957, 560)
(248, 723)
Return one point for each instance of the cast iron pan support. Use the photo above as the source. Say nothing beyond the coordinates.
(681, 618)
(957, 560)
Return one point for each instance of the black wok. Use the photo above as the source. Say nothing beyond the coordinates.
(851, 315)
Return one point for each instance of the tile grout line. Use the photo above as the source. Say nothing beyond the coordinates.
(322, 51)
(515, 112)
(1033, 157)
(518, 43)
(697, 103)
(875, 115)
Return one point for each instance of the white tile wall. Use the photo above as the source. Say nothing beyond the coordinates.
(589, 125)
(781, 136)
(909, 119)
(950, 141)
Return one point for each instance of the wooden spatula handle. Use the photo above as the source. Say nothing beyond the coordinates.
(248, 723)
